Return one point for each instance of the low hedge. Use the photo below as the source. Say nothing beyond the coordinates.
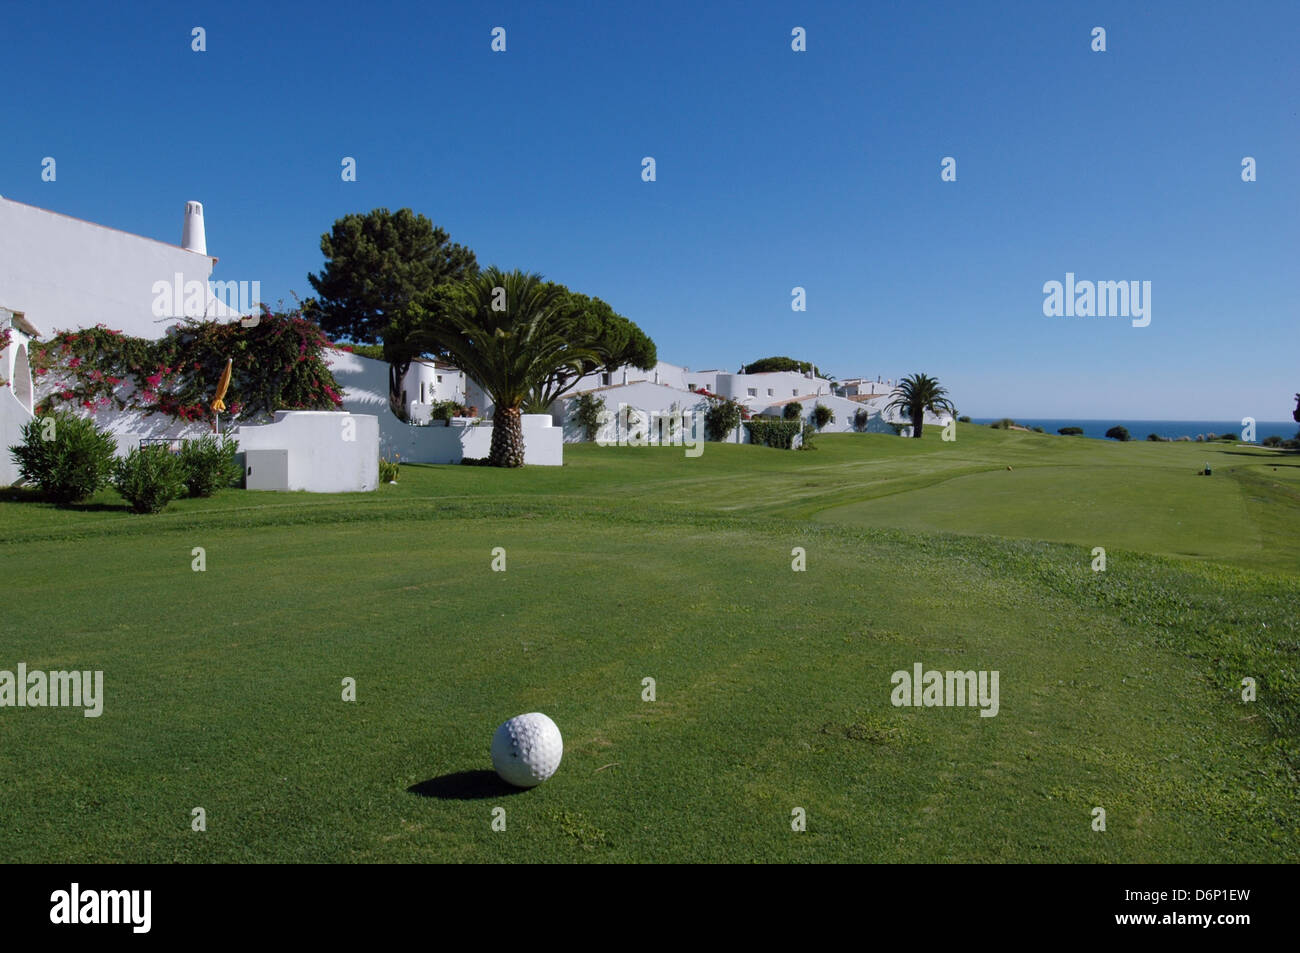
(769, 432)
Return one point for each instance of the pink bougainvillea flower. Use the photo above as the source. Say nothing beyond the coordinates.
(75, 362)
(66, 394)
(154, 380)
(149, 396)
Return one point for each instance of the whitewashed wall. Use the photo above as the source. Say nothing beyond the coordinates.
(843, 409)
(365, 390)
(543, 443)
(329, 451)
(782, 384)
(644, 396)
(65, 273)
(671, 375)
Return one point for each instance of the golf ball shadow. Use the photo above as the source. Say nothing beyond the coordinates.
(465, 786)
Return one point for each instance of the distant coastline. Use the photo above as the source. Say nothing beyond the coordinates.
(1169, 429)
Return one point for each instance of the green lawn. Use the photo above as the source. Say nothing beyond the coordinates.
(1118, 689)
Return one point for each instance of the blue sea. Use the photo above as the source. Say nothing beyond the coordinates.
(1171, 429)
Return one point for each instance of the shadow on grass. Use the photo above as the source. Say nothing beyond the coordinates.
(30, 494)
(465, 786)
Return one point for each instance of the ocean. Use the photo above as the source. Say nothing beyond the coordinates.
(1172, 429)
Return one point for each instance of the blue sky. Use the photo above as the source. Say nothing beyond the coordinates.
(775, 169)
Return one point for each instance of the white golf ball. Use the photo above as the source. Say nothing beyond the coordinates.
(527, 749)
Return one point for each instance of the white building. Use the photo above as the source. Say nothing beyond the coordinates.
(365, 391)
(863, 387)
(670, 375)
(17, 393)
(65, 273)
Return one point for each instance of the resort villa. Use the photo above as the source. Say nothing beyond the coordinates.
(62, 273)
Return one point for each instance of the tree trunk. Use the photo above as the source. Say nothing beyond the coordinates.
(507, 438)
(395, 374)
(918, 420)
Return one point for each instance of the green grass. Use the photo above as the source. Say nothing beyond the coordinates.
(1118, 689)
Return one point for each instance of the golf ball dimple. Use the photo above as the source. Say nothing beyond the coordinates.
(527, 749)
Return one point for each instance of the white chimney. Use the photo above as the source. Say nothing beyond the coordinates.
(193, 237)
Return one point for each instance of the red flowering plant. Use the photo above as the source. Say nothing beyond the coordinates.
(278, 365)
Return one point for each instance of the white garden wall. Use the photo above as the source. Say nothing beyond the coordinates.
(329, 451)
(365, 390)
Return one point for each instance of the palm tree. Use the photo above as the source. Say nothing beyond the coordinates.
(917, 393)
(508, 331)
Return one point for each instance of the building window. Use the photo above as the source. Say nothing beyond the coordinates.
(771, 392)
(439, 378)
(794, 393)
(753, 392)
(604, 380)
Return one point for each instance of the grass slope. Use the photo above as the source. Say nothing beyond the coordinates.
(1118, 689)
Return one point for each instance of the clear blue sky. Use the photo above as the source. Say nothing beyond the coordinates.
(775, 169)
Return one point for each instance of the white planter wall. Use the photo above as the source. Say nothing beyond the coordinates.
(329, 451)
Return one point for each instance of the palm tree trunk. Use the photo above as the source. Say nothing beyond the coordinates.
(918, 420)
(507, 438)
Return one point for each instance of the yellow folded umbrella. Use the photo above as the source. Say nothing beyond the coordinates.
(217, 405)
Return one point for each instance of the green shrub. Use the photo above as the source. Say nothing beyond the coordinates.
(823, 415)
(587, 414)
(1037, 429)
(722, 417)
(387, 470)
(1119, 433)
(809, 435)
(963, 419)
(209, 465)
(769, 432)
(861, 418)
(149, 478)
(443, 410)
(792, 410)
(1071, 431)
(72, 464)
(1273, 440)
(1006, 423)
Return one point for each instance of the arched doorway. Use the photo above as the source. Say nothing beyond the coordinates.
(22, 382)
